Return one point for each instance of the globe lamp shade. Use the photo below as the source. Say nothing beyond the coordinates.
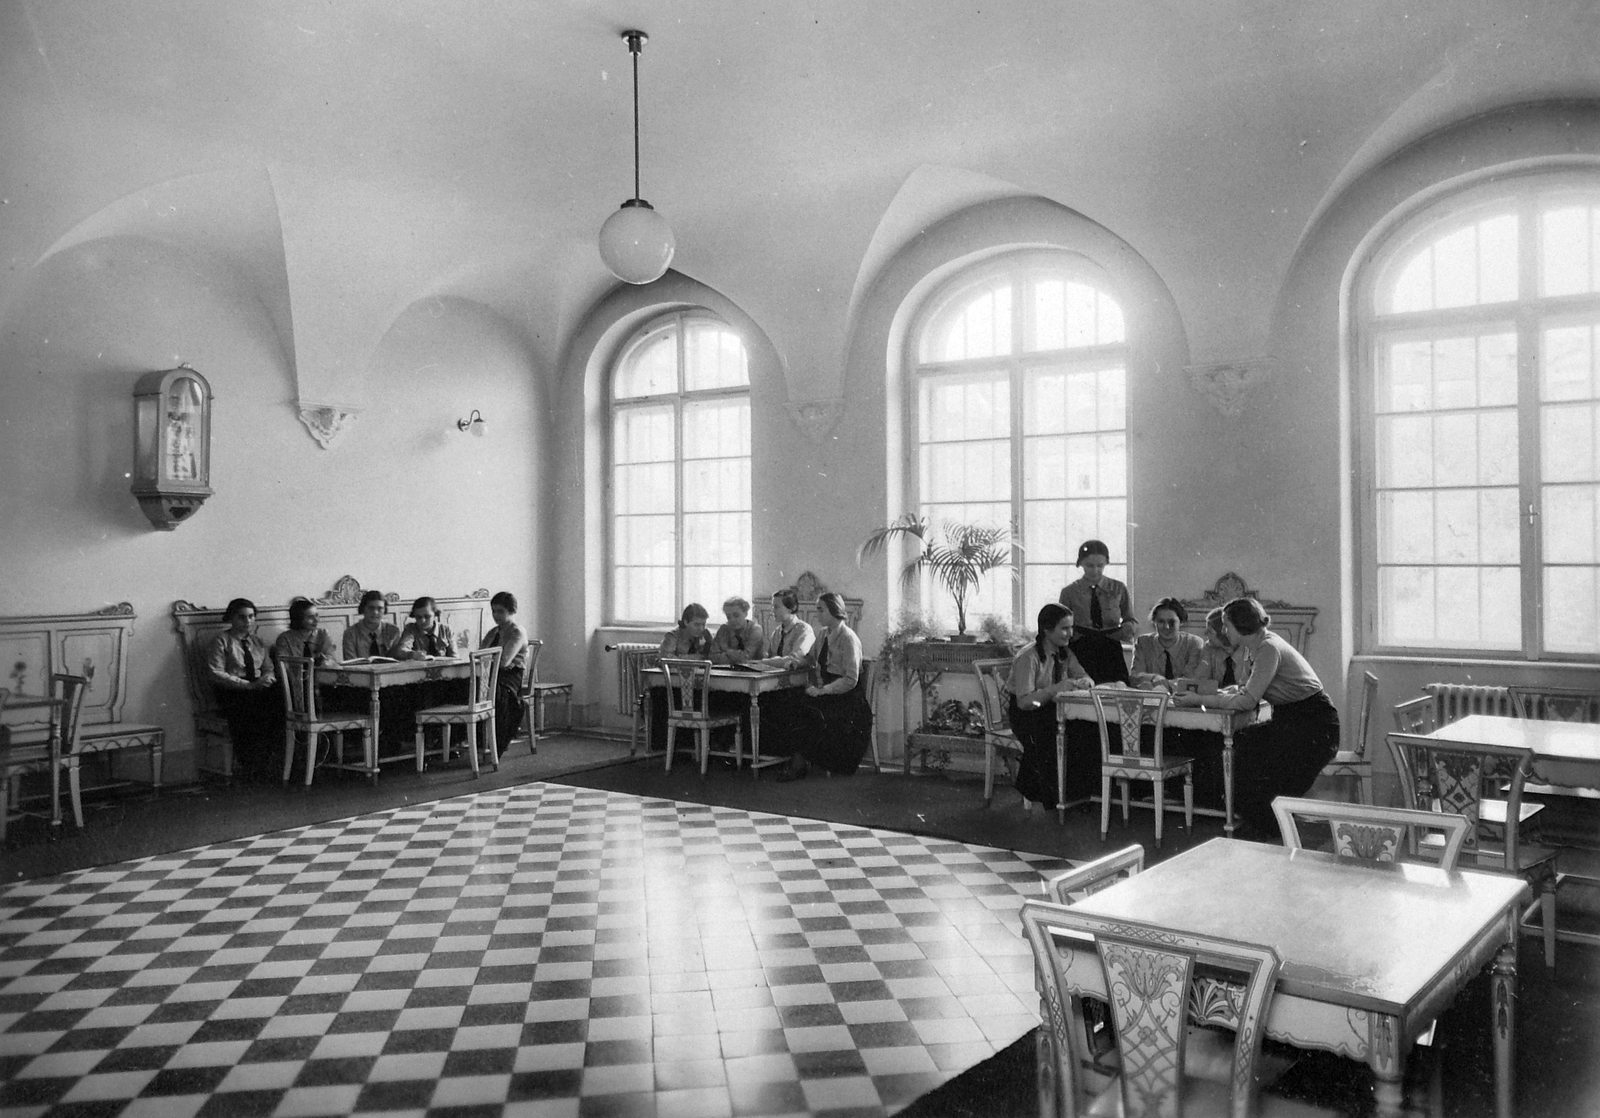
(637, 243)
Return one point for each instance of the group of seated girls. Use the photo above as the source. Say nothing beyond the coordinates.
(827, 724)
(1240, 662)
(244, 672)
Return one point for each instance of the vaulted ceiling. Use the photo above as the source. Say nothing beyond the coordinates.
(355, 156)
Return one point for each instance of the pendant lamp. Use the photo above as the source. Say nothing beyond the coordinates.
(636, 242)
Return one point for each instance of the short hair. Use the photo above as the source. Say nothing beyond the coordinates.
(1174, 605)
(833, 603)
(1247, 616)
(425, 600)
(298, 610)
(694, 610)
(1092, 547)
(1214, 621)
(736, 602)
(372, 596)
(235, 606)
(789, 597)
(506, 600)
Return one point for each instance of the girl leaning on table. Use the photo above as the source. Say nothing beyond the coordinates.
(1041, 671)
(1281, 757)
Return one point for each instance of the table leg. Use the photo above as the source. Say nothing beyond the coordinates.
(1387, 1061)
(755, 732)
(1502, 1006)
(648, 720)
(1061, 768)
(372, 742)
(1227, 780)
(55, 774)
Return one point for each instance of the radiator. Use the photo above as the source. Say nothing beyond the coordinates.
(631, 660)
(1454, 701)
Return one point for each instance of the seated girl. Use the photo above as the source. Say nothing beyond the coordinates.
(1169, 653)
(1041, 671)
(832, 725)
(304, 637)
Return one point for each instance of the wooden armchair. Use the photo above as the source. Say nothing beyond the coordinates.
(1376, 834)
(1132, 710)
(1357, 762)
(689, 708)
(1091, 877)
(993, 675)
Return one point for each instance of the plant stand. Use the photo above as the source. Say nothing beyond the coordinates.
(926, 662)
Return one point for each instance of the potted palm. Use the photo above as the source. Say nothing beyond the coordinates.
(957, 555)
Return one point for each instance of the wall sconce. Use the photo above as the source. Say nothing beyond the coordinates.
(171, 444)
(474, 423)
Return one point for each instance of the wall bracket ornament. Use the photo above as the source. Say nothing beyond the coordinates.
(1229, 385)
(817, 417)
(327, 422)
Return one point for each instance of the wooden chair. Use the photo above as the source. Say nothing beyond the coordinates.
(1376, 834)
(1166, 990)
(1357, 762)
(1417, 716)
(537, 695)
(993, 676)
(297, 678)
(18, 758)
(1556, 704)
(1133, 710)
(689, 708)
(1091, 877)
(1461, 778)
(477, 711)
(868, 681)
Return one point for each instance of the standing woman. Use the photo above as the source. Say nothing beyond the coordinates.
(242, 678)
(1042, 670)
(304, 637)
(1102, 616)
(512, 641)
(833, 725)
(1169, 653)
(1281, 757)
(372, 635)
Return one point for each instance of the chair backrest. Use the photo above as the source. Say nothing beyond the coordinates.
(530, 670)
(1372, 834)
(68, 717)
(1457, 777)
(1091, 877)
(5, 731)
(1148, 976)
(1369, 698)
(297, 678)
(688, 687)
(485, 675)
(1416, 716)
(993, 677)
(1130, 710)
(1556, 704)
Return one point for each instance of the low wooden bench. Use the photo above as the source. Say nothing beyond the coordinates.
(467, 616)
(93, 645)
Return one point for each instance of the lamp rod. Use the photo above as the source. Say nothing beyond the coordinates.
(636, 41)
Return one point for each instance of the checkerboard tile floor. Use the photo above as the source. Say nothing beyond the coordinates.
(539, 950)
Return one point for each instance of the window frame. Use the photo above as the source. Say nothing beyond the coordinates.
(1434, 217)
(679, 320)
(1019, 267)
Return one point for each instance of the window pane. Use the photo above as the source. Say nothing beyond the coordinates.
(650, 368)
(645, 540)
(1564, 250)
(1405, 527)
(1049, 315)
(643, 434)
(1566, 363)
(714, 357)
(1044, 407)
(643, 489)
(1455, 269)
(716, 428)
(1405, 451)
(1567, 448)
(643, 594)
(1497, 259)
(1044, 530)
(1462, 267)
(1082, 316)
(711, 586)
(716, 485)
(1569, 524)
(1406, 377)
(718, 538)
(1571, 615)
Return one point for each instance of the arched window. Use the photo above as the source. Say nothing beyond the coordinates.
(1480, 423)
(1019, 404)
(680, 469)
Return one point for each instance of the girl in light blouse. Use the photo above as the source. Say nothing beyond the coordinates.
(1169, 653)
(791, 639)
(244, 683)
(372, 635)
(740, 640)
(304, 637)
(1041, 671)
(1102, 614)
(833, 722)
(1281, 757)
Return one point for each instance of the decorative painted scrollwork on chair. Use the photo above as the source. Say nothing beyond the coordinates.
(1556, 704)
(993, 676)
(1132, 710)
(1376, 834)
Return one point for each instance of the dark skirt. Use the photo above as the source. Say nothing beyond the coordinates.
(1101, 656)
(255, 728)
(1282, 757)
(509, 707)
(832, 732)
(1036, 775)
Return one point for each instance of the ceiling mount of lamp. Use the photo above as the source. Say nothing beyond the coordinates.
(636, 242)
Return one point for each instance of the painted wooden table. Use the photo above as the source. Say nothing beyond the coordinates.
(374, 678)
(1078, 705)
(1371, 953)
(734, 681)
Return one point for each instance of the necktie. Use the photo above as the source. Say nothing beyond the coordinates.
(1057, 664)
(376, 651)
(249, 661)
(310, 650)
(1169, 672)
(1228, 679)
(822, 655)
(1096, 618)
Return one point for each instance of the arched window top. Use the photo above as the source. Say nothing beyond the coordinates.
(1468, 260)
(713, 357)
(1064, 305)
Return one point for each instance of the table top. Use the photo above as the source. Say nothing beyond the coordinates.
(1375, 937)
(735, 679)
(1567, 741)
(1079, 704)
(394, 672)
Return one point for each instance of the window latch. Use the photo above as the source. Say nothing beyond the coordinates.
(1531, 513)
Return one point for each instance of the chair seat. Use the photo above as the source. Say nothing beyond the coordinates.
(715, 721)
(550, 688)
(1532, 861)
(455, 711)
(1494, 811)
(1205, 1098)
(320, 724)
(1174, 765)
(1347, 758)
